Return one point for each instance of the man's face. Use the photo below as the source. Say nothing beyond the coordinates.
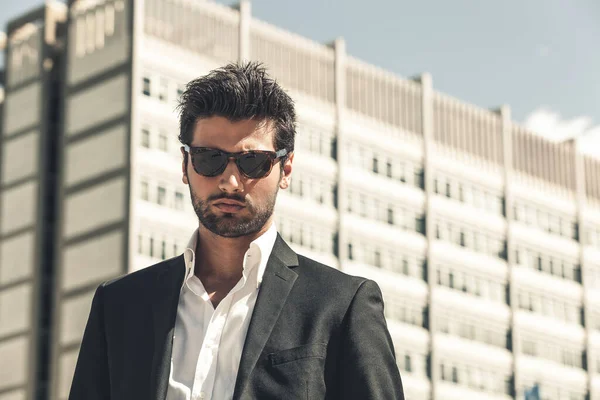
(229, 204)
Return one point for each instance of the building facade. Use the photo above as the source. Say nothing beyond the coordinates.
(484, 238)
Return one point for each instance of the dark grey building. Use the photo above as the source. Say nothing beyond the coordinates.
(28, 170)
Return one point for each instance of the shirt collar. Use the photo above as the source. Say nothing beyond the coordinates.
(260, 247)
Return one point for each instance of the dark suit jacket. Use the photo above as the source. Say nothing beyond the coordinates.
(315, 333)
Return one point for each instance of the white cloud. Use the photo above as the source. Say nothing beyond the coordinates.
(550, 125)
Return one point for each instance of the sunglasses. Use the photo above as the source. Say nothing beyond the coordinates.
(253, 164)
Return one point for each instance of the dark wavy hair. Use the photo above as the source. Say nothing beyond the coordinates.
(238, 92)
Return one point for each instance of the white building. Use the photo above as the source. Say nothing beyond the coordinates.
(484, 238)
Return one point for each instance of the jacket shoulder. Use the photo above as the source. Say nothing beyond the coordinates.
(323, 275)
(141, 278)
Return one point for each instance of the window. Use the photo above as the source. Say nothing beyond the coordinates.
(163, 250)
(350, 255)
(178, 200)
(419, 178)
(146, 86)
(443, 372)
(390, 216)
(144, 190)
(140, 247)
(151, 248)
(454, 374)
(389, 169)
(420, 225)
(405, 267)
(162, 142)
(109, 20)
(448, 190)
(462, 239)
(363, 205)
(375, 165)
(407, 363)
(180, 89)
(162, 195)
(164, 88)
(377, 259)
(145, 138)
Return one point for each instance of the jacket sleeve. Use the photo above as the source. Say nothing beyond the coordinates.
(368, 368)
(91, 378)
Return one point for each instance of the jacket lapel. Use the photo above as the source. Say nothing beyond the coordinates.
(276, 285)
(164, 312)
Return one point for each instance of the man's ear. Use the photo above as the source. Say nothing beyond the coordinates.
(184, 178)
(286, 176)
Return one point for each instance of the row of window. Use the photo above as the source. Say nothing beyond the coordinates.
(472, 330)
(555, 392)
(94, 29)
(316, 141)
(370, 207)
(552, 351)
(158, 247)
(546, 219)
(162, 88)
(313, 188)
(156, 140)
(387, 212)
(470, 194)
(389, 166)
(471, 238)
(398, 309)
(410, 361)
(159, 194)
(390, 259)
(475, 377)
(471, 283)
(550, 306)
(310, 236)
(547, 263)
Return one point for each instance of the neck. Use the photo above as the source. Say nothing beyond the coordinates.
(221, 258)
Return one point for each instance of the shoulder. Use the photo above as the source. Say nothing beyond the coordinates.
(328, 279)
(142, 279)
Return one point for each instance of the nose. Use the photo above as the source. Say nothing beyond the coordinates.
(231, 179)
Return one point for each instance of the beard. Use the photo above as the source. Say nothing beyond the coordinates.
(233, 225)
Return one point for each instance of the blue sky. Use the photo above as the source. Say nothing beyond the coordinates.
(542, 57)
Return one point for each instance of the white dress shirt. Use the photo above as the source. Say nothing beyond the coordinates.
(208, 341)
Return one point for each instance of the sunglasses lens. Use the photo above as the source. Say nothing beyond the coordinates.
(255, 165)
(209, 162)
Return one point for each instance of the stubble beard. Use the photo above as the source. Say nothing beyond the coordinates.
(233, 225)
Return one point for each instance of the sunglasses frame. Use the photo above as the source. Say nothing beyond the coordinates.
(273, 157)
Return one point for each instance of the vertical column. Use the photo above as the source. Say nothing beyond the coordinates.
(507, 156)
(139, 10)
(428, 170)
(580, 196)
(339, 47)
(244, 30)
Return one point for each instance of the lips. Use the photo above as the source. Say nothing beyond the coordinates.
(229, 206)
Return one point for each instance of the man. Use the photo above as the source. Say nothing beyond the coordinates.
(239, 315)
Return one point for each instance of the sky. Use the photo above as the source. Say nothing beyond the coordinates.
(541, 57)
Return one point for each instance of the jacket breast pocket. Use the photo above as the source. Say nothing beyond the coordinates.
(311, 350)
(297, 373)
